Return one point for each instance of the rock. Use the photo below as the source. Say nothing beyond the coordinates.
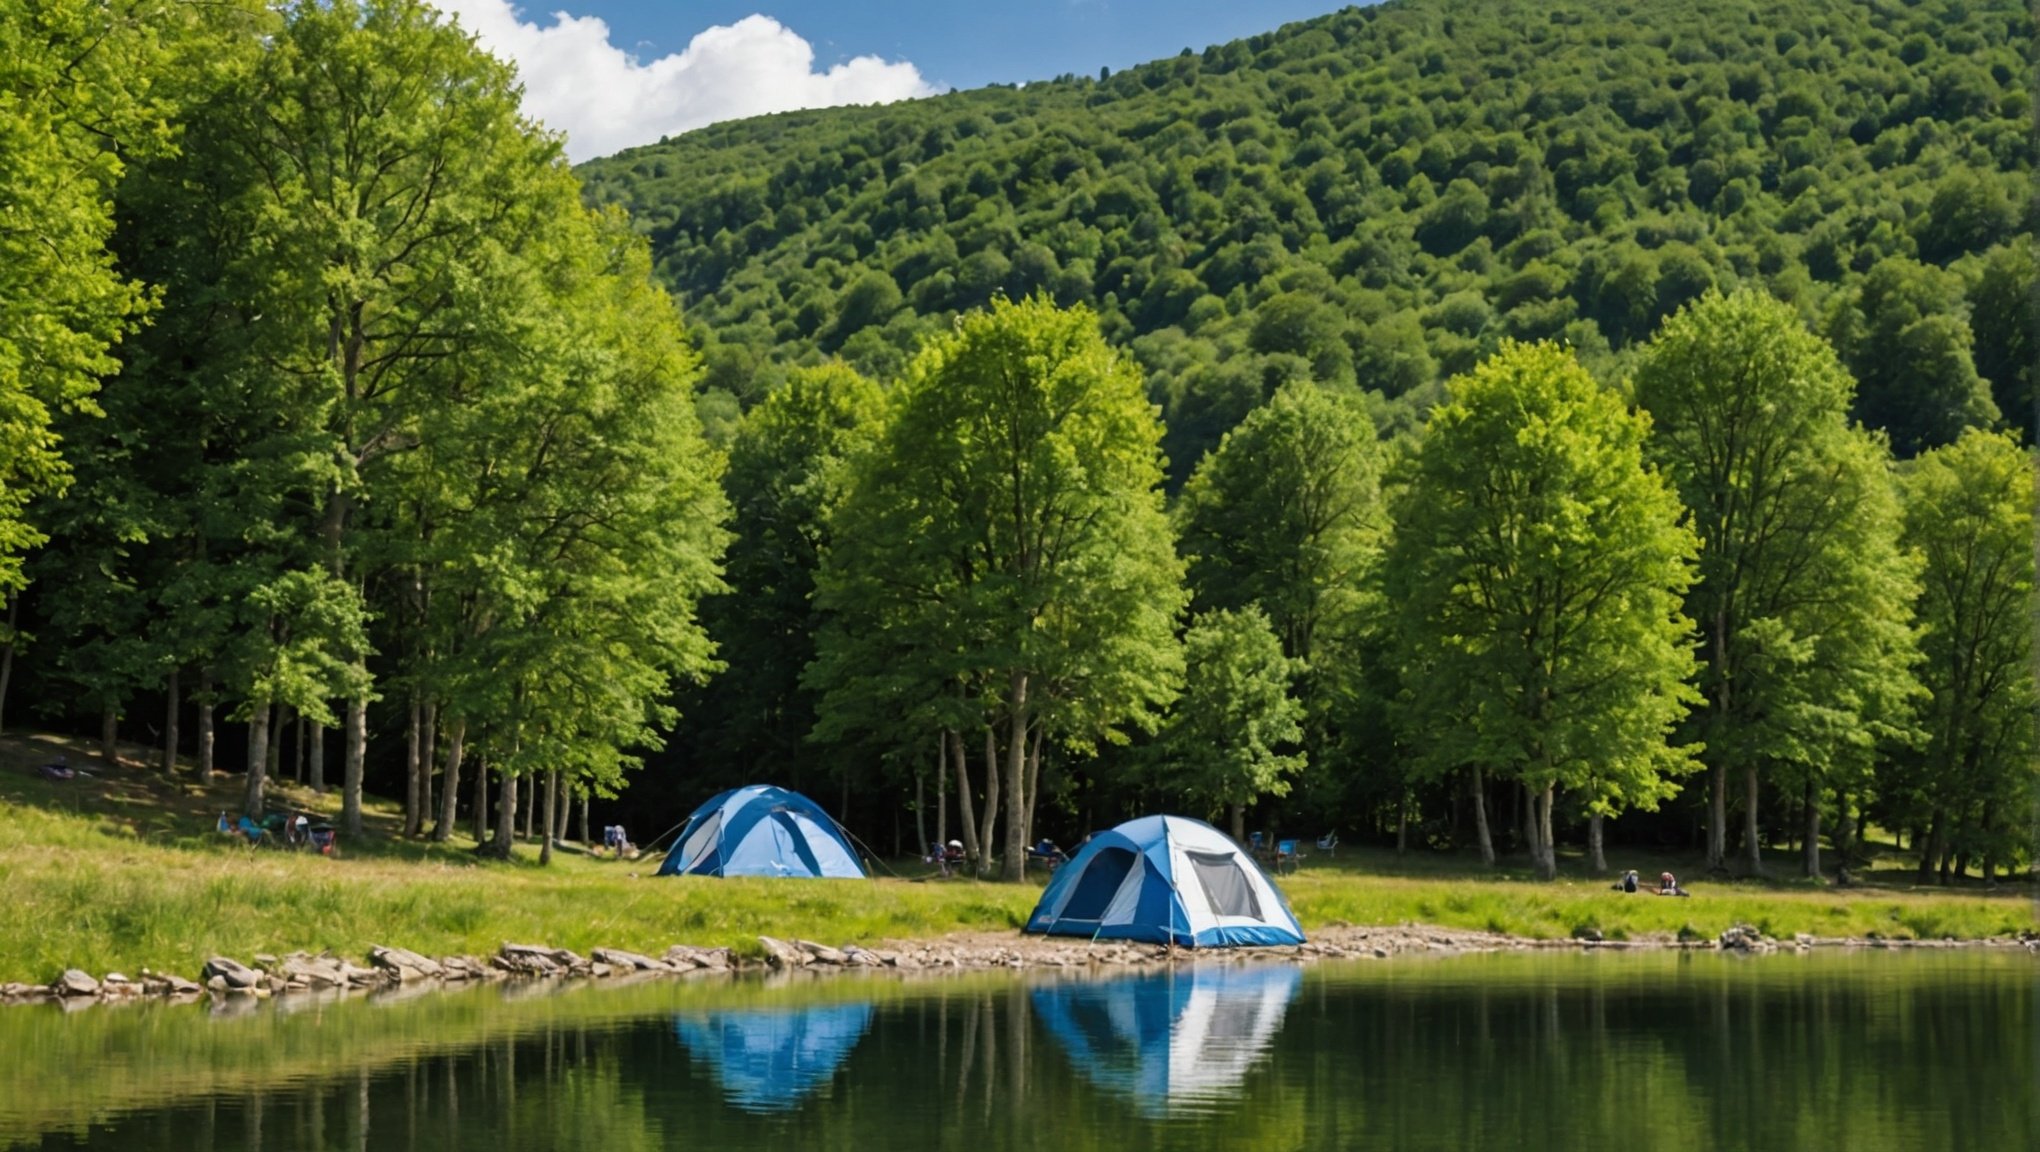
(601, 971)
(630, 961)
(780, 954)
(863, 958)
(1743, 938)
(76, 983)
(216, 983)
(822, 953)
(404, 964)
(1588, 933)
(233, 972)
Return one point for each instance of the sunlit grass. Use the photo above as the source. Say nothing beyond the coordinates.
(122, 871)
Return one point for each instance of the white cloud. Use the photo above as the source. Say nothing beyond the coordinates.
(605, 99)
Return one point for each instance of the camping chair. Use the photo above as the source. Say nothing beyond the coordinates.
(1328, 843)
(324, 838)
(1255, 841)
(1047, 855)
(1286, 856)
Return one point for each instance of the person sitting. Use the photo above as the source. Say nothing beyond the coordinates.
(952, 857)
(1628, 883)
(1049, 855)
(1668, 885)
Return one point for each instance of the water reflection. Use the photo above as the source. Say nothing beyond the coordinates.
(1181, 1039)
(769, 1060)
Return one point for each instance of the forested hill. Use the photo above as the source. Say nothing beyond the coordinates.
(1378, 197)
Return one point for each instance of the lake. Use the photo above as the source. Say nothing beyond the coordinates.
(1864, 1052)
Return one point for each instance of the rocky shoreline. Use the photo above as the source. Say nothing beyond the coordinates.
(300, 973)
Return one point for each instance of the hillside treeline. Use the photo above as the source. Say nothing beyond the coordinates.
(328, 407)
(337, 426)
(1376, 199)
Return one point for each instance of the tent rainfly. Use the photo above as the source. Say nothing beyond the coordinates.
(1166, 880)
(760, 830)
(771, 1059)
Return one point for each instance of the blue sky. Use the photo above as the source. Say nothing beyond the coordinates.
(959, 44)
(613, 74)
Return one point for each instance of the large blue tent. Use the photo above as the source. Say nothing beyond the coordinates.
(1173, 1039)
(767, 1060)
(1168, 880)
(760, 830)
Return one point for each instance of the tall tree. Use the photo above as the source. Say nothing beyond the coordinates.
(1286, 513)
(1538, 565)
(1791, 507)
(1231, 736)
(787, 468)
(1002, 563)
(1907, 340)
(394, 177)
(1969, 511)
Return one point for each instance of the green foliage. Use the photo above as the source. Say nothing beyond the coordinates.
(1536, 570)
(1413, 181)
(1224, 744)
(1969, 512)
(1802, 583)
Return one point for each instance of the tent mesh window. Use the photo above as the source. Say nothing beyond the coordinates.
(1225, 885)
(1099, 883)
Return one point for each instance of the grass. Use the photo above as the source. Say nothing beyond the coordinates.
(121, 870)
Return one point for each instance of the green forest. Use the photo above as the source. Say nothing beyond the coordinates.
(1474, 426)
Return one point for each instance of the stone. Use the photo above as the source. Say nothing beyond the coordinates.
(1744, 938)
(822, 953)
(236, 974)
(780, 954)
(404, 964)
(630, 961)
(76, 983)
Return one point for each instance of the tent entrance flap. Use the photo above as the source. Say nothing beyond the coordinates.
(1225, 885)
(1099, 883)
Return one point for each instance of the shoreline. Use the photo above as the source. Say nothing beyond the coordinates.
(299, 974)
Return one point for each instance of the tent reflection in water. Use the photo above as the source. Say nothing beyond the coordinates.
(770, 1060)
(1184, 1037)
(760, 830)
(1167, 880)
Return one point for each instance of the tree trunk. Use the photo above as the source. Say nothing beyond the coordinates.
(278, 723)
(1812, 846)
(7, 653)
(942, 790)
(988, 820)
(920, 808)
(1016, 788)
(481, 802)
(1239, 824)
(109, 735)
(428, 757)
(1597, 856)
(414, 816)
(506, 815)
(1845, 828)
(449, 788)
(1402, 823)
(299, 747)
(530, 803)
(258, 760)
(1717, 818)
(1033, 782)
(357, 756)
(1529, 813)
(1480, 823)
(586, 799)
(1547, 851)
(964, 804)
(205, 725)
(315, 758)
(170, 733)
(1926, 844)
(566, 811)
(1753, 838)
(552, 803)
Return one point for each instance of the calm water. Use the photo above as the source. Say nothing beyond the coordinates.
(1554, 1052)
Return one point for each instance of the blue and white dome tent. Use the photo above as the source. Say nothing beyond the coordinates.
(760, 830)
(1166, 880)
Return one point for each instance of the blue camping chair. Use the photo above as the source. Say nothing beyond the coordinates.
(1286, 856)
(1255, 841)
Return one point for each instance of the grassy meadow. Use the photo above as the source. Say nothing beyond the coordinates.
(121, 869)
